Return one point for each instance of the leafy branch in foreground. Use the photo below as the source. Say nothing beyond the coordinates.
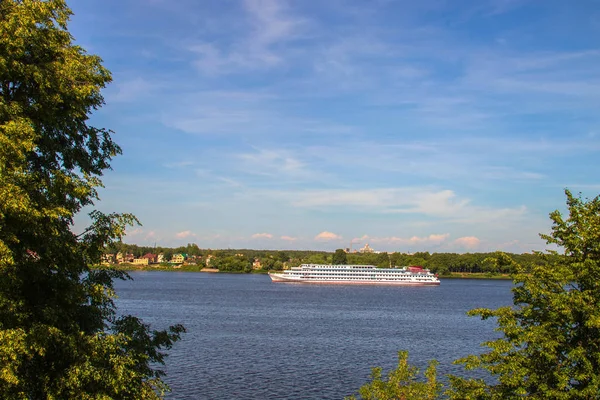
(402, 383)
(550, 347)
(550, 344)
(60, 336)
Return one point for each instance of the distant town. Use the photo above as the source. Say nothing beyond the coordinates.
(176, 260)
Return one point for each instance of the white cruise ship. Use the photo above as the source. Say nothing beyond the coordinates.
(356, 274)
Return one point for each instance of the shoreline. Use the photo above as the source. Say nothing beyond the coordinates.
(196, 268)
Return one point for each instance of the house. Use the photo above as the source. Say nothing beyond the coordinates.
(190, 261)
(177, 259)
(125, 258)
(152, 258)
(160, 258)
(140, 261)
(256, 264)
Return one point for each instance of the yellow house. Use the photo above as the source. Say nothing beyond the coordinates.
(140, 261)
(177, 259)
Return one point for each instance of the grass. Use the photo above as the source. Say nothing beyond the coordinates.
(475, 275)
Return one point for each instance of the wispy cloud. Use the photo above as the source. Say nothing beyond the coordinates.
(288, 238)
(413, 200)
(327, 236)
(270, 23)
(468, 242)
(139, 234)
(185, 234)
(272, 162)
(179, 164)
(433, 239)
(262, 236)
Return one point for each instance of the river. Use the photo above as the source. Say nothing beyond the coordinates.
(249, 338)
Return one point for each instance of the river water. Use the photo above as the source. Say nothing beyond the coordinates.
(249, 338)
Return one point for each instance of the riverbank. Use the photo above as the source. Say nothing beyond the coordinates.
(171, 268)
(197, 268)
(475, 275)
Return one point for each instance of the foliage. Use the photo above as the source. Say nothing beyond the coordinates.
(60, 336)
(339, 257)
(317, 258)
(269, 263)
(233, 263)
(550, 347)
(382, 260)
(402, 383)
(441, 263)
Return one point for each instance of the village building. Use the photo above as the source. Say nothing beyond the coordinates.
(152, 258)
(367, 249)
(178, 258)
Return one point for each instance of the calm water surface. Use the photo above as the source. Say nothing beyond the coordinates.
(249, 338)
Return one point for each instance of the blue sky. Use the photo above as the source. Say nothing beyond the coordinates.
(409, 125)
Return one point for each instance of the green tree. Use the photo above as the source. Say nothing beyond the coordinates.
(232, 264)
(402, 383)
(267, 263)
(317, 258)
(550, 347)
(59, 333)
(282, 256)
(339, 257)
(382, 260)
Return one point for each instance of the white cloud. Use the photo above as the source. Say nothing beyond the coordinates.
(139, 234)
(468, 242)
(360, 239)
(262, 236)
(436, 203)
(433, 239)
(288, 238)
(271, 162)
(325, 236)
(185, 234)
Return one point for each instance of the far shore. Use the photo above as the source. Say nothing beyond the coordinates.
(196, 268)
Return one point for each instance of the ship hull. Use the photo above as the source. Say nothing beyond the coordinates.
(387, 282)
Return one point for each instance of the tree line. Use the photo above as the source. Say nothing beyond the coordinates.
(241, 260)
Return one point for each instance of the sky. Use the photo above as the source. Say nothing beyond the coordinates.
(431, 125)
